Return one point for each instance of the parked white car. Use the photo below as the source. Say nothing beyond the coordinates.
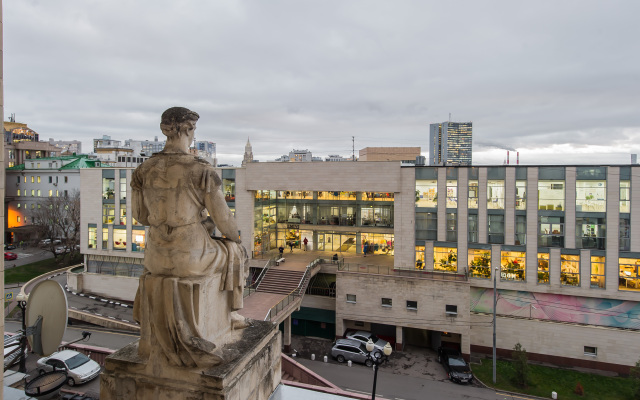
(80, 368)
(364, 336)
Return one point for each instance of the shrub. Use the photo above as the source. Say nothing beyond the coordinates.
(519, 356)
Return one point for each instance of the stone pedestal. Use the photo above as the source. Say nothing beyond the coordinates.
(253, 373)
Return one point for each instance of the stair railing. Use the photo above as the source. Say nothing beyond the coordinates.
(252, 288)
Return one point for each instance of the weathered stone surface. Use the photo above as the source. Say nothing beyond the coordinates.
(253, 373)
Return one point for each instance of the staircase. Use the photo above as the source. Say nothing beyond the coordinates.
(278, 281)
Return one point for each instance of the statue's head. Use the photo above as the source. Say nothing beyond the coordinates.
(175, 118)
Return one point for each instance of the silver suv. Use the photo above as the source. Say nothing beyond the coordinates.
(348, 349)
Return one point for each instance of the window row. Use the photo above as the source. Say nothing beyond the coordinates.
(590, 232)
(37, 179)
(513, 267)
(314, 214)
(319, 195)
(118, 239)
(38, 193)
(591, 196)
(387, 302)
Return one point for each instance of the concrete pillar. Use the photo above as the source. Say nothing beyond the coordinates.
(399, 338)
(286, 340)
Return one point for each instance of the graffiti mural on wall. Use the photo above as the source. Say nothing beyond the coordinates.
(560, 308)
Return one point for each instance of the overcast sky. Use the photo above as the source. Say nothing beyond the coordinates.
(559, 81)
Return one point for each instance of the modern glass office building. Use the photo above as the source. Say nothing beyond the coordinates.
(450, 143)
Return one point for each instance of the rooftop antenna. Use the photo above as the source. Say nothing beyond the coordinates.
(449, 117)
(353, 148)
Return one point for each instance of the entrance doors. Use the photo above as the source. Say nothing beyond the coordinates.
(320, 241)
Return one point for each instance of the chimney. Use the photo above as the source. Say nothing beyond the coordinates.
(518, 158)
(507, 157)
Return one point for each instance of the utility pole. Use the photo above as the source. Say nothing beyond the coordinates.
(495, 303)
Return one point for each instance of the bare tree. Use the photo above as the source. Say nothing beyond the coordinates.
(58, 218)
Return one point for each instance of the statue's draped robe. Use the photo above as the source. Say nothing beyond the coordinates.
(170, 193)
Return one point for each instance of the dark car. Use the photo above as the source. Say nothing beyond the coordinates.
(9, 247)
(10, 256)
(456, 367)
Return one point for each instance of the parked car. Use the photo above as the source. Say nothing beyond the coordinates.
(11, 349)
(9, 247)
(348, 349)
(364, 336)
(61, 250)
(10, 256)
(45, 242)
(80, 368)
(457, 368)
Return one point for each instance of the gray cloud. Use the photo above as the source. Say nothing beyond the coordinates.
(312, 74)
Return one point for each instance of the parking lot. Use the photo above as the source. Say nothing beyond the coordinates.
(417, 362)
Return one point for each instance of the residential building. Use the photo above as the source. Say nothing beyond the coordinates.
(450, 143)
(338, 158)
(29, 184)
(22, 143)
(145, 148)
(299, 156)
(406, 154)
(560, 242)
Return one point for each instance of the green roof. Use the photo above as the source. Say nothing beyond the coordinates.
(78, 162)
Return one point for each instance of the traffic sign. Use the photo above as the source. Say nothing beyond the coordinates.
(8, 296)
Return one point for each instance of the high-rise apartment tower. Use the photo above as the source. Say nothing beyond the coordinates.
(450, 143)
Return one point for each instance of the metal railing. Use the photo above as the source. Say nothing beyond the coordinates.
(410, 273)
(248, 290)
(296, 293)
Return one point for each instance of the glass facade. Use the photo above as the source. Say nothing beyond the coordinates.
(496, 228)
(521, 230)
(624, 234)
(452, 227)
(472, 228)
(426, 226)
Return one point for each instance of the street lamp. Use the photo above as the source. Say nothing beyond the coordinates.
(22, 303)
(378, 357)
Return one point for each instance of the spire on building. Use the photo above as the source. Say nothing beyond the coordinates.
(248, 154)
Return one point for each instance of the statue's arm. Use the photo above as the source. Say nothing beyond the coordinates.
(139, 210)
(221, 215)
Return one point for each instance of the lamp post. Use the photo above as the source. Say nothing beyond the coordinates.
(495, 303)
(22, 303)
(378, 357)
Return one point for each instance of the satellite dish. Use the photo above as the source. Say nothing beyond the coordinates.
(46, 317)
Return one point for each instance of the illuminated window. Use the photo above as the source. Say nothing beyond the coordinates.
(591, 196)
(495, 195)
(521, 195)
(93, 237)
(427, 193)
(625, 196)
(543, 268)
(138, 241)
(597, 272)
(628, 274)
(452, 194)
(419, 257)
(38, 179)
(551, 195)
(119, 239)
(512, 266)
(480, 263)
(50, 192)
(473, 194)
(570, 270)
(445, 259)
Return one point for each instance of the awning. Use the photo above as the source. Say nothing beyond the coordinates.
(315, 314)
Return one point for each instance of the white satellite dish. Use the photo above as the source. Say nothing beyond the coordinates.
(46, 317)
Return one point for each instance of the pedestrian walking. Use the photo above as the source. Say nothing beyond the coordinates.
(281, 250)
(291, 246)
(305, 241)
